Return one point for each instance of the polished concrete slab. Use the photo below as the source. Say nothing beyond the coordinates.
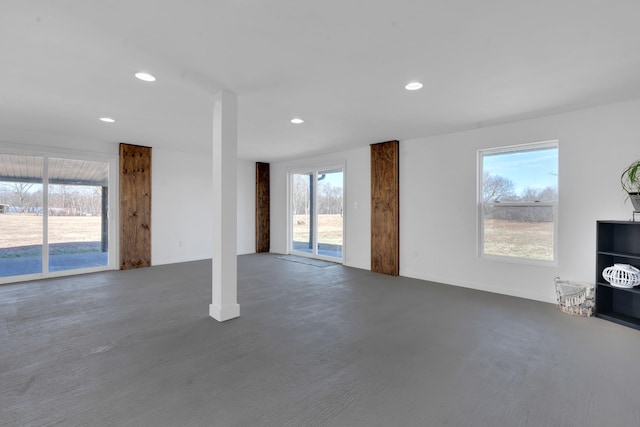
(331, 346)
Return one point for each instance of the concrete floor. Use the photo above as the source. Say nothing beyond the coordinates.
(331, 346)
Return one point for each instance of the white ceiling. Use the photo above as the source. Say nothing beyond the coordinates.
(340, 64)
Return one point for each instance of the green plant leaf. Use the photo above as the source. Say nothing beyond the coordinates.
(630, 178)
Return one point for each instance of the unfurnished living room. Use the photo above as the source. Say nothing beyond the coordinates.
(340, 213)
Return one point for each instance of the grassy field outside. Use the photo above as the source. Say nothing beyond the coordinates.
(329, 229)
(531, 240)
(524, 239)
(21, 234)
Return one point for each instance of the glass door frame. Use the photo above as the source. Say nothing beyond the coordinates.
(112, 211)
(314, 214)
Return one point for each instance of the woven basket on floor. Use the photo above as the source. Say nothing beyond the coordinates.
(575, 298)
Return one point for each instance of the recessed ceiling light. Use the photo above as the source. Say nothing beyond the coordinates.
(146, 77)
(107, 119)
(297, 121)
(413, 86)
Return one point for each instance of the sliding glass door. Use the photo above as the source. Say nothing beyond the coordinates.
(53, 215)
(302, 218)
(77, 214)
(21, 220)
(317, 215)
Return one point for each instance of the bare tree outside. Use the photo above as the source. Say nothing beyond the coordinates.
(300, 194)
(548, 194)
(75, 200)
(21, 192)
(497, 188)
(329, 199)
(5, 194)
(519, 196)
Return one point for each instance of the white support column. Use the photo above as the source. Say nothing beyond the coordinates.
(224, 287)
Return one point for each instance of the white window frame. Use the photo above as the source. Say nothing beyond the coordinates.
(314, 170)
(481, 204)
(112, 214)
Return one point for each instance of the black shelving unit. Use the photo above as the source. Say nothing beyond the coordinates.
(617, 242)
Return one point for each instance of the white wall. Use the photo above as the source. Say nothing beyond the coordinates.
(437, 199)
(246, 207)
(181, 205)
(438, 182)
(181, 183)
(181, 199)
(357, 193)
(438, 179)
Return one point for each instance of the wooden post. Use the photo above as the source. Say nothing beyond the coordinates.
(263, 223)
(135, 206)
(385, 208)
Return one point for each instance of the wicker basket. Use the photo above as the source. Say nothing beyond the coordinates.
(575, 298)
(622, 275)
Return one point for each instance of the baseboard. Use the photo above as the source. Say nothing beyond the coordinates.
(477, 286)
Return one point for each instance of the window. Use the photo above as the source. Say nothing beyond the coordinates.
(55, 215)
(518, 199)
(316, 213)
